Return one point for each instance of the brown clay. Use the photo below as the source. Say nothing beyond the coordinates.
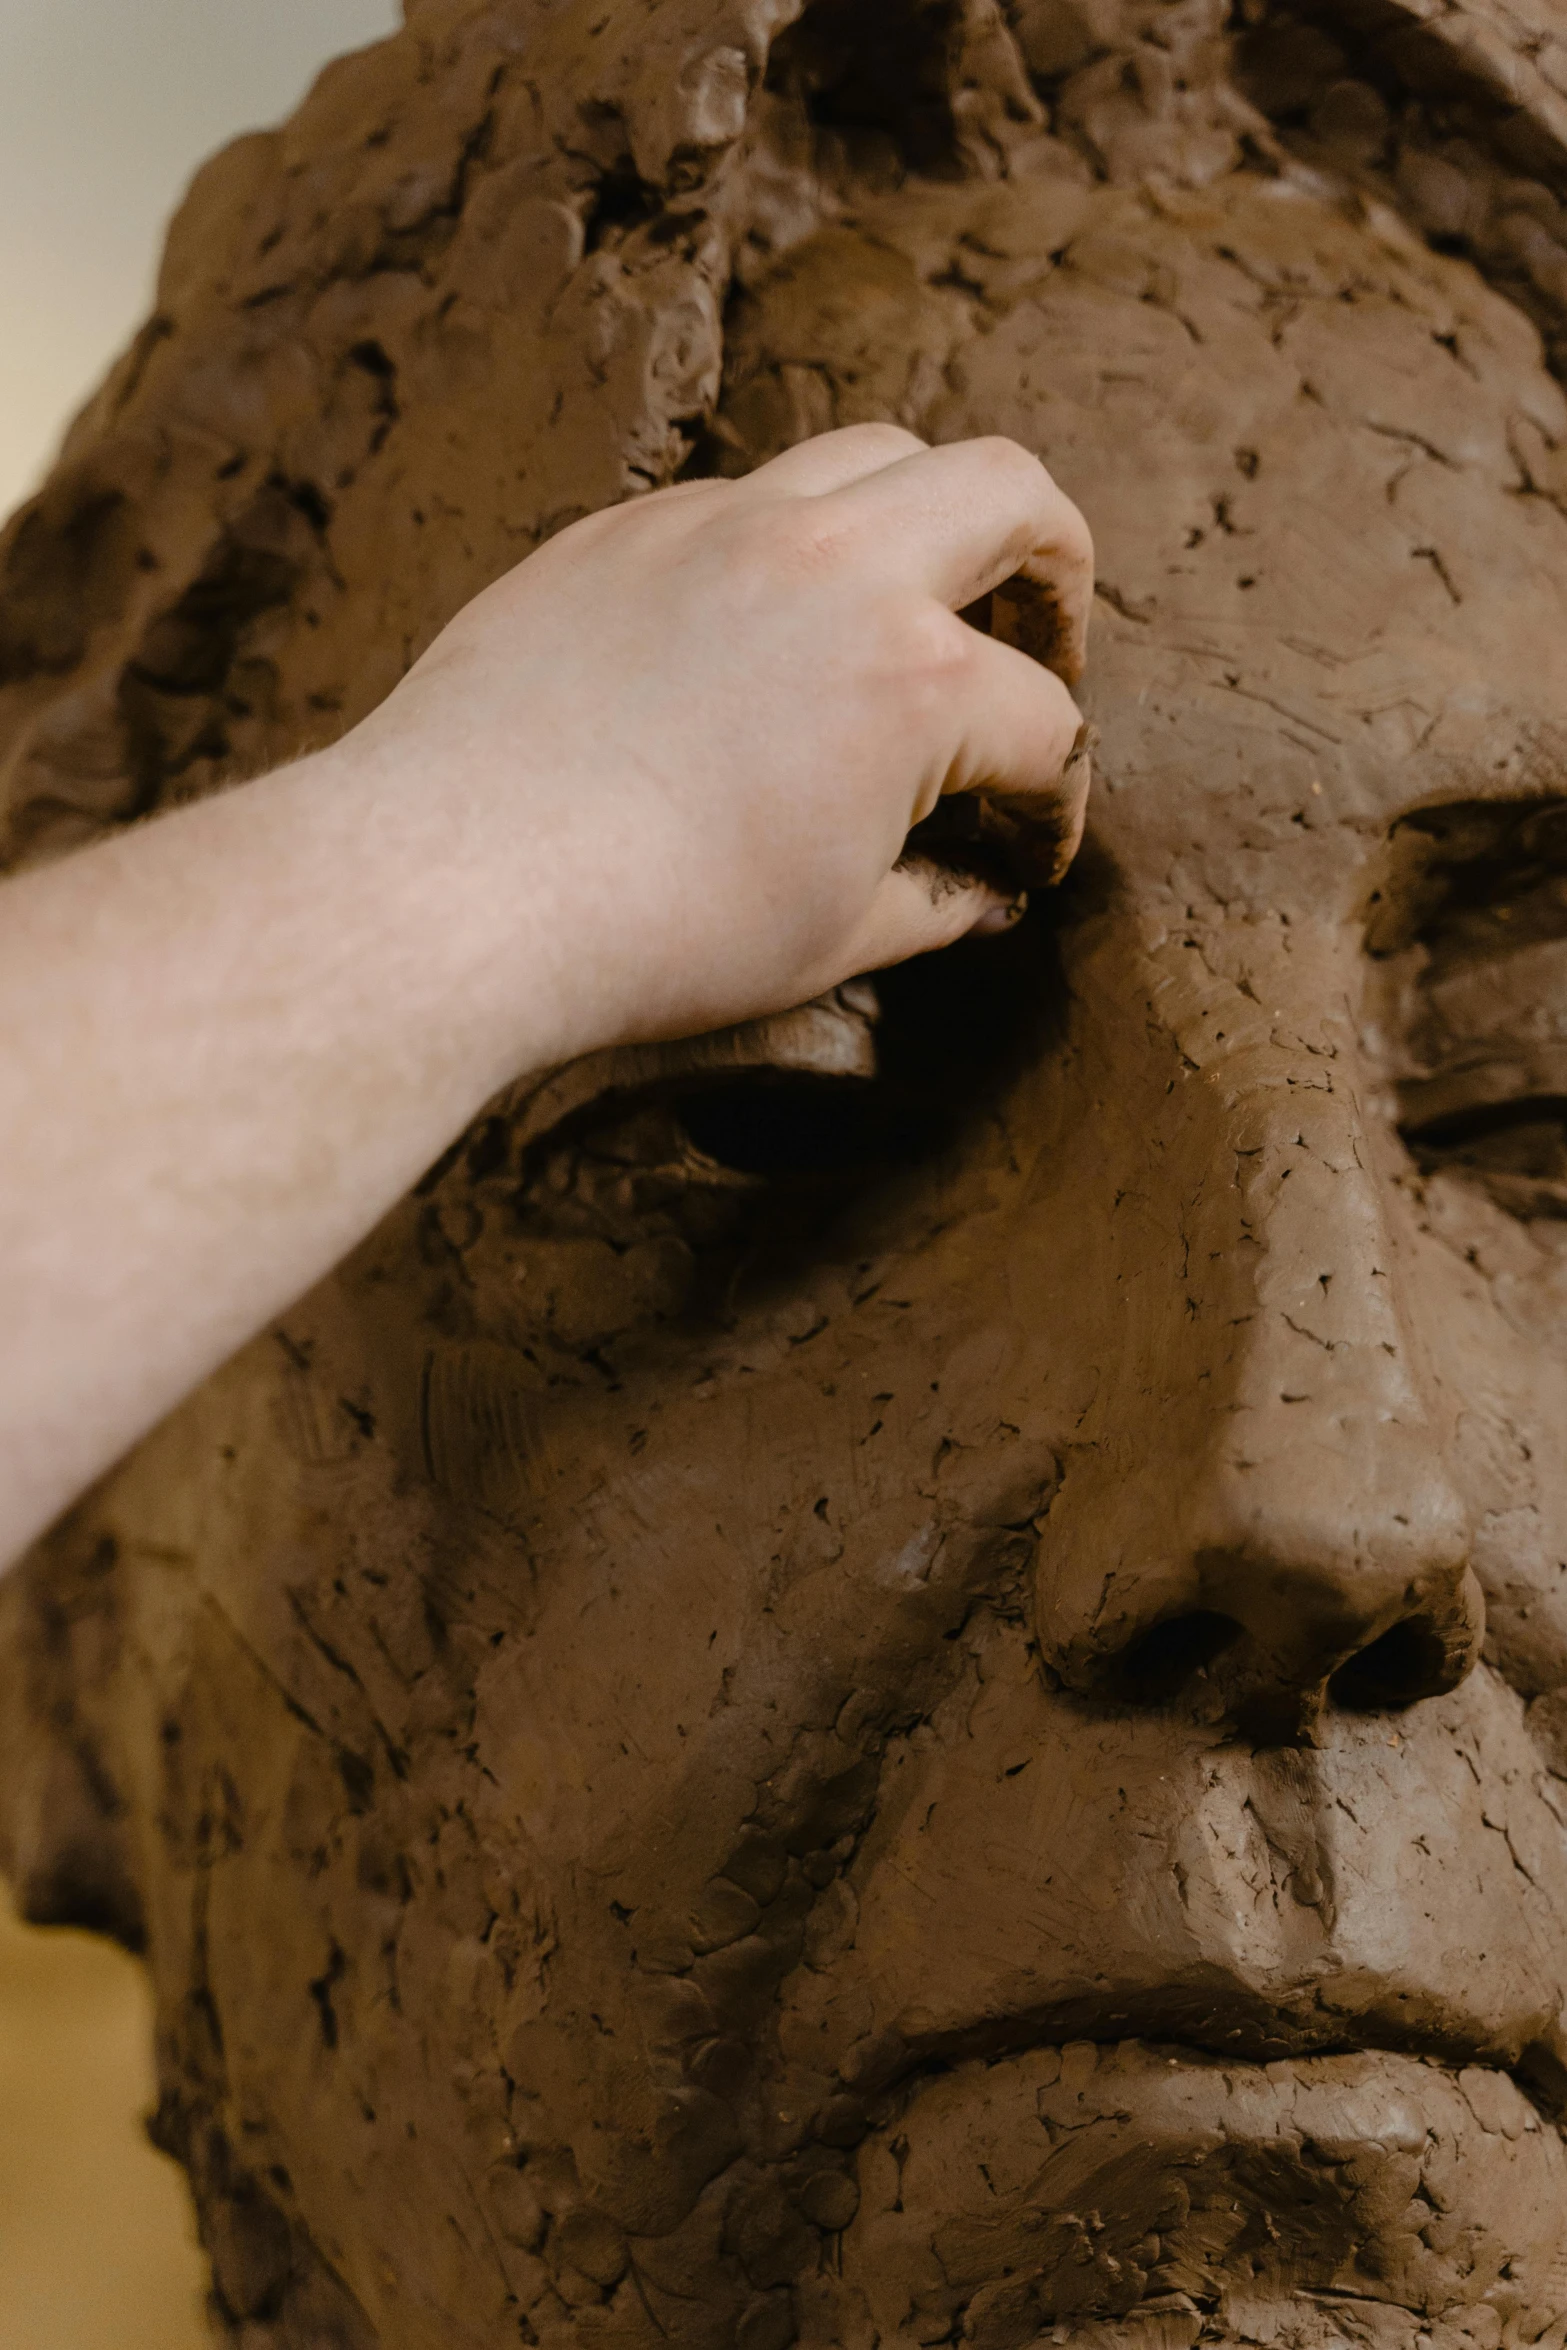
(842, 1706)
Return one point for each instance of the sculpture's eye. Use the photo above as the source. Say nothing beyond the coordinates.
(675, 1183)
(871, 1079)
(1469, 928)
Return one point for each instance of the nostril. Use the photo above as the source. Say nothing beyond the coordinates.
(1156, 1665)
(1411, 1660)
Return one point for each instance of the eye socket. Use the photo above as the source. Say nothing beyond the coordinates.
(1468, 930)
(1514, 1151)
(876, 1079)
(795, 1128)
(663, 1182)
(952, 1027)
(676, 1186)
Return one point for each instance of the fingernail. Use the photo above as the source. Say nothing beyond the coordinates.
(1083, 747)
(1002, 917)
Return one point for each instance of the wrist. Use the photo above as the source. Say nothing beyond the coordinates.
(462, 904)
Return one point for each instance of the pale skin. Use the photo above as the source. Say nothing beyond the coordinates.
(656, 780)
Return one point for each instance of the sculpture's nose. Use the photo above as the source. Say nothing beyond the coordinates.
(1282, 1537)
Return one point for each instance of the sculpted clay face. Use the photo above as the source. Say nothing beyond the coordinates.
(898, 1681)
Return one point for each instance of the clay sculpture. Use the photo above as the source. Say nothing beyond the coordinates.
(903, 1681)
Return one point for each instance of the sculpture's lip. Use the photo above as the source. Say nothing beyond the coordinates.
(1093, 2181)
(1239, 2028)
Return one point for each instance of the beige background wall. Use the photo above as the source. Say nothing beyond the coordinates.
(97, 2246)
(106, 107)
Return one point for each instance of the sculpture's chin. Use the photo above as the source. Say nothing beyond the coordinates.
(1134, 2194)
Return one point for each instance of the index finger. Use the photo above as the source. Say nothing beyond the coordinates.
(962, 519)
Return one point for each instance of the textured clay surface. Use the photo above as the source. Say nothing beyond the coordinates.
(902, 1680)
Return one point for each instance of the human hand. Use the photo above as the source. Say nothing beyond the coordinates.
(697, 729)
(656, 782)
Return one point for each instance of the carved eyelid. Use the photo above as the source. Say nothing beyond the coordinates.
(1492, 1031)
(1468, 932)
(832, 1037)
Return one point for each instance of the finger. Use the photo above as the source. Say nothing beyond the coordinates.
(1011, 774)
(959, 520)
(812, 469)
(920, 907)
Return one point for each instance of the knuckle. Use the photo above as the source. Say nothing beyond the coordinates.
(1075, 537)
(1010, 461)
(1027, 475)
(799, 538)
(938, 655)
(1056, 722)
(895, 439)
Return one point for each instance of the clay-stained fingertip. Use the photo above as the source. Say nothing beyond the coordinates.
(998, 919)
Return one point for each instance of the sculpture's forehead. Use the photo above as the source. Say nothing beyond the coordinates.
(1334, 588)
(1319, 462)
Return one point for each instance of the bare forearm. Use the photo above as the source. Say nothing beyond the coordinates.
(235, 1037)
(655, 781)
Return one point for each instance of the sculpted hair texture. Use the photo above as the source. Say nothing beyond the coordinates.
(899, 1678)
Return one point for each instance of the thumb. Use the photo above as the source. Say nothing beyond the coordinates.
(920, 906)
